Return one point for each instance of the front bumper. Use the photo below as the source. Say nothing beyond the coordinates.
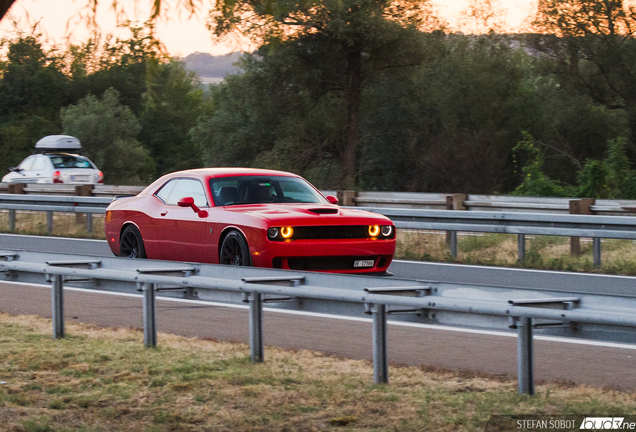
(337, 256)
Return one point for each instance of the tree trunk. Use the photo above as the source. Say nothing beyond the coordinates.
(353, 89)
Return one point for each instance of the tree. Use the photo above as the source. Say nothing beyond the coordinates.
(593, 45)
(351, 34)
(274, 115)
(449, 125)
(32, 91)
(170, 107)
(107, 131)
(88, 13)
(32, 81)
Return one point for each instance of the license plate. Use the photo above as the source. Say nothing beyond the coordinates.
(363, 263)
(79, 178)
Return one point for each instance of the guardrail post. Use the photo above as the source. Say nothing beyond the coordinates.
(380, 351)
(346, 197)
(16, 188)
(83, 190)
(580, 206)
(596, 246)
(89, 223)
(521, 248)
(454, 202)
(150, 315)
(525, 356)
(49, 222)
(453, 243)
(57, 303)
(12, 220)
(256, 328)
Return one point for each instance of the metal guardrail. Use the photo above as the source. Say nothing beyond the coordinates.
(521, 224)
(419, 200)
(69, 189)
(567, 312)
(54, 203)
(472, 202)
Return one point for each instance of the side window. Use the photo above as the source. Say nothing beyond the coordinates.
(176, 189)
(188, 188)
(27, 163)
(39, 164)
(164, 193)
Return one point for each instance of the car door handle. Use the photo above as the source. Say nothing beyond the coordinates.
(163, 213)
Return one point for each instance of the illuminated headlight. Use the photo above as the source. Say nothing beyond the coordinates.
(286, 232)
(280, 233)
(386, 230)
(374, 230)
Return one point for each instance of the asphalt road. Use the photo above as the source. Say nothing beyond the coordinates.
(488, 352)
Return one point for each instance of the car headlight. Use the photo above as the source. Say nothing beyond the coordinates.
(286, 232)
(272, 233)
(374, 230)
(280, 233)
(386, 230)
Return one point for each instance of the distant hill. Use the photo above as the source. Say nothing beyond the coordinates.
(209, 66)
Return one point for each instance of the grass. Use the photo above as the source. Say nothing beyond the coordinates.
(542, 252)
(64, 224)
(103, 379)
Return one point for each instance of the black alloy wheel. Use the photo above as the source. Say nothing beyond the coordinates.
(131, 244)
(234, 250)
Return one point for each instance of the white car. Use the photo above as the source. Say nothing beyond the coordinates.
(55, 165)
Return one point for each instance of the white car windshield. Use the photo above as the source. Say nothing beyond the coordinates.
(238, 190)
(70, 161)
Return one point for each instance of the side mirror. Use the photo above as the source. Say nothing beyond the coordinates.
(189, 202)
(332, 199)
(15, 169)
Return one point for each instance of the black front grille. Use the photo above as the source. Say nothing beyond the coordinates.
(331, 232)
(327, 263)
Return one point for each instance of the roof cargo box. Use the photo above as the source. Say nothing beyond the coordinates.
(58, 143)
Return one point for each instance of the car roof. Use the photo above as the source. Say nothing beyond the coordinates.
(224, 172)
(208, 173)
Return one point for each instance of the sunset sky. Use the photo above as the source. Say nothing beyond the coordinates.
(182, 35)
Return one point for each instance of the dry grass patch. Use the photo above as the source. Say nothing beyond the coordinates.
(542, 252)
(64, 224)
(105, 380)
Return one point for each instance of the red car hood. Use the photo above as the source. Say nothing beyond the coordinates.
(310, 213)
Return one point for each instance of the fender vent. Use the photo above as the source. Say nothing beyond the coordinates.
(324, 210)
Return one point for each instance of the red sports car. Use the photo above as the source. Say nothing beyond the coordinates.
(242, 216)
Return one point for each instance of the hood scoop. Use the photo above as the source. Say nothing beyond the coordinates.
(324, 210)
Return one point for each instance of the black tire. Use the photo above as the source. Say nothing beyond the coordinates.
(131, 245)
(234, 250)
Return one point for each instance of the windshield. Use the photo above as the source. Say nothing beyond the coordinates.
(70, 161)
(229, 191)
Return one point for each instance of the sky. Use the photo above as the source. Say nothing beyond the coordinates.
(59, 21)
